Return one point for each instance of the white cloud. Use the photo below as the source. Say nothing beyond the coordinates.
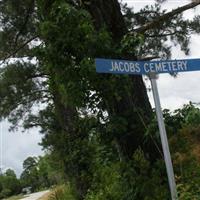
(17, 146)
(174, 92)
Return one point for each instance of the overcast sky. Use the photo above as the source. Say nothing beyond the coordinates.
(174, 92)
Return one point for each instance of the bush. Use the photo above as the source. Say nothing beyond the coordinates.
(6, 193)
(186, 192)
(132, 180)
(64, 192)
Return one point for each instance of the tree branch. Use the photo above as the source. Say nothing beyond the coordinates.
(39, 75)
(162, 34)
(24, 99)
(146, 12)
(26, 20)
(158, 21)
(18, 49)
(148, 58)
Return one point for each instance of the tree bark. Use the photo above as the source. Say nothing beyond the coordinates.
(107, 13)
(134, 106)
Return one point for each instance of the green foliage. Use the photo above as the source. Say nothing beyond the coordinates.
(69, 50)
(64, 192)
(29, 176)
(186, 192)
(175, 29)
(10, 173)
(132, 44)
(183, 133)
(185, 150)
(10, 185)
(133, 180)
(20, 90)
(18, 22)
(39, 173)
(188, 116)
(5, 193)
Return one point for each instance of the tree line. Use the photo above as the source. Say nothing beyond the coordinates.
(38, 174)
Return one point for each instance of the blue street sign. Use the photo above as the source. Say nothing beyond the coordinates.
(145, 67)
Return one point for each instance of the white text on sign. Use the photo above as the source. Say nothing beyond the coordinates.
(148, 67)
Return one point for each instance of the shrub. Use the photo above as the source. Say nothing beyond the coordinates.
(6, 193)
(186, 192)
(63, 192)
(129, 181)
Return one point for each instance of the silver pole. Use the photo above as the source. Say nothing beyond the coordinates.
(163, 136)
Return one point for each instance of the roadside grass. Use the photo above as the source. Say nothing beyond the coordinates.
(17, 197)
(60, 192)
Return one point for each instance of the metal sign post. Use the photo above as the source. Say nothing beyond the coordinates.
(163, 136)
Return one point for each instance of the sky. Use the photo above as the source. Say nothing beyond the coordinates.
(174, 92)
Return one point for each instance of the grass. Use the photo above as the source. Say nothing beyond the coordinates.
(61, 192)
(17, 197)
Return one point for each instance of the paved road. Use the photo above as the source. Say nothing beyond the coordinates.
(35, 196)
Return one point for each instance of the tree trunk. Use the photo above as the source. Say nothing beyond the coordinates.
(134, 105)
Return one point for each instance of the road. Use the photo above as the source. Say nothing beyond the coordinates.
(35, 196)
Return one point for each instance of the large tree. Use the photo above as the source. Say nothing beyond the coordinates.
(54, 44)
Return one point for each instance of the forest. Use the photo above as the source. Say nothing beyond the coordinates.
(99, 130)
(38, 174)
